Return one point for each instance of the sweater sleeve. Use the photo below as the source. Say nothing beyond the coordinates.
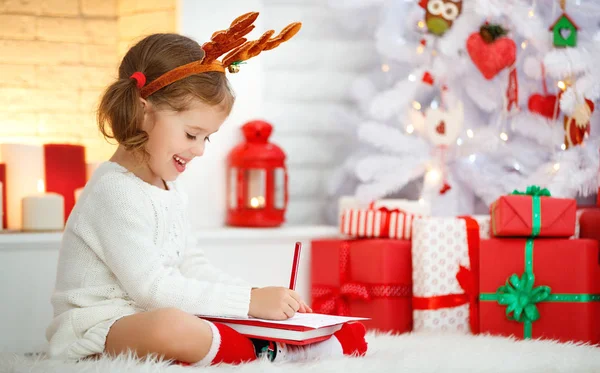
(121, 227)
(196, 265)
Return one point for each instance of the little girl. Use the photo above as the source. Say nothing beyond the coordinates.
(126, 281)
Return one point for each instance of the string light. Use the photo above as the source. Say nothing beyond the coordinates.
(504, 136)
(517, 166)
(385, 67)
(416, 105)
(459, 141)
(412, 77)
(410, 129)
(562, 85)
(531, 13)
(556, 166)
(470, 133)
(421, 24)
(432, 176)
(434, 104)
(420, 49)
(472, 158)
(563, 146)
(422, 201)
(524, 44)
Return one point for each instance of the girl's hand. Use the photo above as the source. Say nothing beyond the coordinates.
(304, 308)
(274, 303)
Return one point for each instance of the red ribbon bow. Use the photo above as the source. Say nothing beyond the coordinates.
(334, 300)
(468, 279)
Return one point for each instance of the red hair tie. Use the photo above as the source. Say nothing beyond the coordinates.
(140, 78)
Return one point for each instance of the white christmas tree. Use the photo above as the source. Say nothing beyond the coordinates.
(468, 102)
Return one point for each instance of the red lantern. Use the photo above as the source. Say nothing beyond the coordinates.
(257, 193)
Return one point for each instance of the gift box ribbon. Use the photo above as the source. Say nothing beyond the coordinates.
(468, 279)
(335, 300)
(536, 193)
(521, 297)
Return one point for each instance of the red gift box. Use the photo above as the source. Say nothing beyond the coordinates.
(533, 216)
(364, 278)
(555, 296)
(589, 224)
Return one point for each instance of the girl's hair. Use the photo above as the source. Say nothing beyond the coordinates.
(120, 113)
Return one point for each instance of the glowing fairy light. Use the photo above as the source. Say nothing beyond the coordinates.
(524, 45)
(470, 133)
(412, 77)
(410, 129)
(433, 176)
(416, 105)
(472, 158)
(385, 67)
(556, 166)
(517, 166)
(563, 146)
(459, 141)
(421, 24)
(561, 85)
(504, 136)
(531, 13)
(420, 49)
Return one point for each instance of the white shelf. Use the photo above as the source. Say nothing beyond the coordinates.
(10, 241)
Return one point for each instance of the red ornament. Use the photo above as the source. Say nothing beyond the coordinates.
(491, 58)
(446, 187)
(543, 105)
(575, 134)
(257, 193)
(441, 128)
(427, 78)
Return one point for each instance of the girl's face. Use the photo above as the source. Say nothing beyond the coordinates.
(175, 138)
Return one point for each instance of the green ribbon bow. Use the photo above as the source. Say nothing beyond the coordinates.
(535, 192)
(521, 297)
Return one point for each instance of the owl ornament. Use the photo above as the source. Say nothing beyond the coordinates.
(440, 14)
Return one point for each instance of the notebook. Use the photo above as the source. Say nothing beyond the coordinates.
(301, 329)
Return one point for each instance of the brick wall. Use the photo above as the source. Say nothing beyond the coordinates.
(56, 56)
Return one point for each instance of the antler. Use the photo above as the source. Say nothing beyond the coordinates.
(253, 48)
(225, 40)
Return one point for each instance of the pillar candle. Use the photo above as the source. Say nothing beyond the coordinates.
(43, 211)
(24, 167)
(65, 171)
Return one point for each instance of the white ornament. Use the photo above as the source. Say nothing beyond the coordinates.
(443, 127)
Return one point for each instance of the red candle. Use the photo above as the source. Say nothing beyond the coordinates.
(65, 171)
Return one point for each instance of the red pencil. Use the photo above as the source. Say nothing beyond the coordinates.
(295, 265)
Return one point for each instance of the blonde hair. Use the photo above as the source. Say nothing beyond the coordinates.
(120, 113)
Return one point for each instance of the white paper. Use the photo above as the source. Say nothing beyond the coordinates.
(311, 320)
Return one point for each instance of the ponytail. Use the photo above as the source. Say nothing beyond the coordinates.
(120, 115)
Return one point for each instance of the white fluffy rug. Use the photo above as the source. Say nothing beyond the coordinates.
(416, 353)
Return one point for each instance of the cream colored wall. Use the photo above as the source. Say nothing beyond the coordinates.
(57, 56)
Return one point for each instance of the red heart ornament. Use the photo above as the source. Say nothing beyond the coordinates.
(441, 128)
(543, 105)
(491, 58)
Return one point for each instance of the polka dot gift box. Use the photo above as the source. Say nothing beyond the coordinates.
(445, 274)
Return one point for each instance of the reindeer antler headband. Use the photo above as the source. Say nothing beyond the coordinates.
(231, 40)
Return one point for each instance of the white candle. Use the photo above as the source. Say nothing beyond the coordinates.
(24, 167)
(43, 211)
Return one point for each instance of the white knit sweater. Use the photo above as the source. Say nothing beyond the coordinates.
(125, 249)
